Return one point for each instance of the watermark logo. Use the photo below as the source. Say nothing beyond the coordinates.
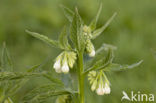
(137, 96)
(125, 96)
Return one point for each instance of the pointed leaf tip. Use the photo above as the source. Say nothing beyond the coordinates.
(97, 32)
(45, 39)
(118, 67)
(6, 61)
(67, 12)
(94, 21)
(76, 34)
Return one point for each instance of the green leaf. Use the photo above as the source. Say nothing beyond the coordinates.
(118, 67)
(45, 39)
(63, 40)
(15, 76)
(106, 47)
(102, 63)
(33, 68)
(6, 62)
(53, 80)
(44, 96)
(110, 56)
(97, 32)
(16, 87)
(68, 13)
(76, 34)
(108, 60)
(103, 50)
(100, 52)
(94, 21)
(19, 83)
(42, 93)
(97, 64)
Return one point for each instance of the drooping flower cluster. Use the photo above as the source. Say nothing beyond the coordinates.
(99, 82)
(89, 46)
(65, 61)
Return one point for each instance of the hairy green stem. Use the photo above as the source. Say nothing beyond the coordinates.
(81, 77)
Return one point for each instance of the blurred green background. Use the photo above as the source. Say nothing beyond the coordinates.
(132, 31)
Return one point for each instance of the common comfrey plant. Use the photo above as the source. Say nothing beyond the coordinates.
(76, 45)
(81, 36)
(99, 82)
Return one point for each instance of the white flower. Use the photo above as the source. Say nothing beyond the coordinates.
(100, 90)
(107, 89)
(58, 70)
(92, 53)
(65, 67)
(57, 66)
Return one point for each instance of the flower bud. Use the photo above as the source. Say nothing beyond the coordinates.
(92, 74)
(57, 66)
(94, 85)
(92, 53)
(100, 90)
(71, 57)
(90, 48)
(107, 89)
(86, 29)
(65, 67)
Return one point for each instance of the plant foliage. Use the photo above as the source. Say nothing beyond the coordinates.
(81, 36)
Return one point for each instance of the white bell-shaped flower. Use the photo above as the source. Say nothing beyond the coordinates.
(57, 66)
(100, 90)
(58, 70)
(92, 53)
(65, 67)
(107, 89)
